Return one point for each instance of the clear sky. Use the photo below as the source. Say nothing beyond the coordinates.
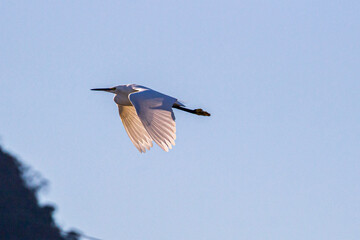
(278, 159)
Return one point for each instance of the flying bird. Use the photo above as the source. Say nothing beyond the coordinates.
(148, 115)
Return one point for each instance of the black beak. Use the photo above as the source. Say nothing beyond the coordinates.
(103, 89)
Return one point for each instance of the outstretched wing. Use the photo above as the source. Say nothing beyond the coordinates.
(134, 128)
(155, 112)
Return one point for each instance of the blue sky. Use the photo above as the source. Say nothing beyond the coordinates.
(278, 158)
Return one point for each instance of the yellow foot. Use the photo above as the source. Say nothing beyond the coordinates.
(201, 112)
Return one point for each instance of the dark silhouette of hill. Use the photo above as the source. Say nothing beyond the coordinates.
(21, 215)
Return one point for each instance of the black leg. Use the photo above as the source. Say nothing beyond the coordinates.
(198, 111)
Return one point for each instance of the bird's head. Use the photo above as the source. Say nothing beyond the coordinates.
(121, 89)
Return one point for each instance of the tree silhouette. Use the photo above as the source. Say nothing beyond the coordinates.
(21, 216)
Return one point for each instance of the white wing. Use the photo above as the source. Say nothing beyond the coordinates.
(134, 128)
(155, 112)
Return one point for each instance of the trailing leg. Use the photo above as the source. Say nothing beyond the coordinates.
(197, 111)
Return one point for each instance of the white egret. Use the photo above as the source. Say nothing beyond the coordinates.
(147, 115)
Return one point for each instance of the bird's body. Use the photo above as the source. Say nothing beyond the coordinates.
(147, 115)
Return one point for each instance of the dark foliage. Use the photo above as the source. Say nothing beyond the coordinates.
(21, 216)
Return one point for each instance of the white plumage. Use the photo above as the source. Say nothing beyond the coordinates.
(147, 115)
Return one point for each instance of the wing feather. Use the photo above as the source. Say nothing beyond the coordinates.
(135, 128)
(154, 110)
